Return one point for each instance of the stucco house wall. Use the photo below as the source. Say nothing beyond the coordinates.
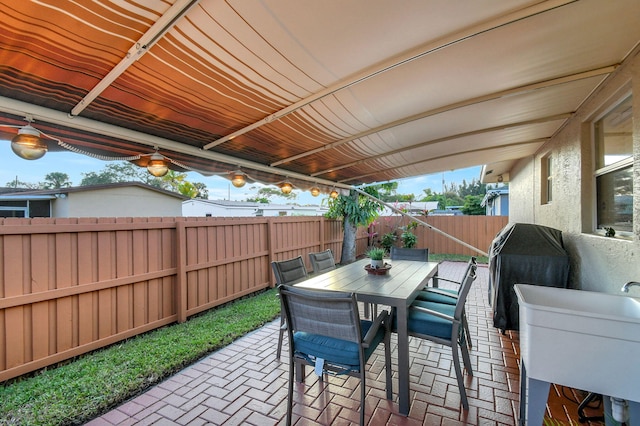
(130, 201)
(598, 263)
(195, 207)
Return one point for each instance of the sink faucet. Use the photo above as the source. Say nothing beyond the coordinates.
(625, 287)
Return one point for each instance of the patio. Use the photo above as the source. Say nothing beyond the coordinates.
(244, 384)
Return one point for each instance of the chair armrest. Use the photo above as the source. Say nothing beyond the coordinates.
(442, 293)
(434, 313)
(373, 330)
(448, 280)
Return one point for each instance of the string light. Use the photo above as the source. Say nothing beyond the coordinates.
(157, 165)
(286, 187)
(238, 179)
(28, 144)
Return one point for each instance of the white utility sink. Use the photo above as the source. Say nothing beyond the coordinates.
(582, 339)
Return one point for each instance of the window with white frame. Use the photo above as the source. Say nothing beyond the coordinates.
(614, 168)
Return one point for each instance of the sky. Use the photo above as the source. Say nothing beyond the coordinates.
(74, 165)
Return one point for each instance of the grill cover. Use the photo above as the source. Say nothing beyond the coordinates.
(523, 253)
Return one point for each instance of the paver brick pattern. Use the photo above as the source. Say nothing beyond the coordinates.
(244, 383)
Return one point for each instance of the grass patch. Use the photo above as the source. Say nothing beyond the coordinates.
(435, 257)
(92, 384)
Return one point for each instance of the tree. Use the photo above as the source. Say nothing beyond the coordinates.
(129, 172)
(203, 192)
(472, 205)
(120, 172)
(56, 180)
(267, 192)
(474, 188)
(354, 210)
(19, 184)
(388, 192)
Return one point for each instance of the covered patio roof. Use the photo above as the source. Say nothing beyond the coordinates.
(321, 93)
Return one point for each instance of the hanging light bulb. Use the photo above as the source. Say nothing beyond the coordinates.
(315, 191)
(157, 165)
(286, 187)
(238, 179)
(334, 194)
(28, 144)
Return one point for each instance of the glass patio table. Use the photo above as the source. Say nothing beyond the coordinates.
(397, 289)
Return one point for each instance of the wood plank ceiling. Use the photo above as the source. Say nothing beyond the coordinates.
(321, 93)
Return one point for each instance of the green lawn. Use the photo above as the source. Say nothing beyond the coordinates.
(85, 387)
(88, 386)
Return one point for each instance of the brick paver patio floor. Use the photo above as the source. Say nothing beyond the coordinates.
(243, 383)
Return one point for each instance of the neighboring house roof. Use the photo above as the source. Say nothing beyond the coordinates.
(414, 207)
(227, 203)
(32, 194)
(231, 205)
(20, 196)
(9, 190)
(490, 195)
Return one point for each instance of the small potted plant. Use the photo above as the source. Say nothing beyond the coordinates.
(376, 255)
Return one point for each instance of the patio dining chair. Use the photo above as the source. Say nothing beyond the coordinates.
(325, 331)
(288, 272)
(442, 323)
(449, 296)
(322, 262)
(403, 253)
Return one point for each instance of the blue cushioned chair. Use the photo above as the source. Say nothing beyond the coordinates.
(449, 296)
(442, 323)
(325, 330)
(288, 271)
(322, 262)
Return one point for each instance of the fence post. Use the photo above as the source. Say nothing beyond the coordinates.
(181, 274)
(322, 241)
(272, 249)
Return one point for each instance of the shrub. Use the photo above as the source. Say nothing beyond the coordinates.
(388, 240)
(409, 239)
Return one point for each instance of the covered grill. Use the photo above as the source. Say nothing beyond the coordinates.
(523, 253)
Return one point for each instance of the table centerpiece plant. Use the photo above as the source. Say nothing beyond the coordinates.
(376, 254)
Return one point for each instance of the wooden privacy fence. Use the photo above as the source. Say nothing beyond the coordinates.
(477, 231)
(72, 285)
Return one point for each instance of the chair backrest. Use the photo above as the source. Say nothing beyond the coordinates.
(322, 262)
(325, 313)
(472, 262)
(465, 286)
(402, 253)
(289, 271)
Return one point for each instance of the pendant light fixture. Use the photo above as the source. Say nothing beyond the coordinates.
(158, 165)
(238, 179)
(315, 191)
(28, 144)
(286, 187)
(334, 194)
